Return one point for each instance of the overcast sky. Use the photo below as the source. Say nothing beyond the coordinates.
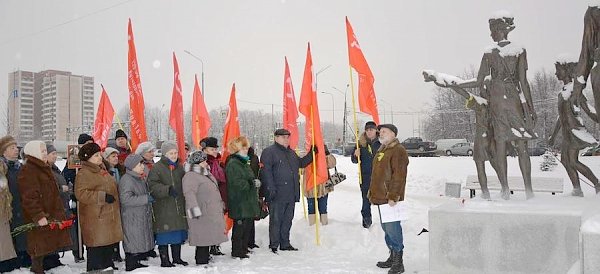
(245, 42)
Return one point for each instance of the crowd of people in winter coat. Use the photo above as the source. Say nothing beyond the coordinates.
(118, 199)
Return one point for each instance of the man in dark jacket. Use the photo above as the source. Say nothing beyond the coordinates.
(368, 144)
(281, 182)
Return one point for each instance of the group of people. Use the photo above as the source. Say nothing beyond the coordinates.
(118, 196)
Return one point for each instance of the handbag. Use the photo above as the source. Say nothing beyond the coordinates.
(334, 179)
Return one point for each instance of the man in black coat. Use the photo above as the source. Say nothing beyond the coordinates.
(369, 145)
(281, 181)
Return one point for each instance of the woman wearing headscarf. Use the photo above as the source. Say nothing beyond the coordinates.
(41, 204)
(99, 210)
(204, 207)
(170, 226)
(242, 195)
(136, 213)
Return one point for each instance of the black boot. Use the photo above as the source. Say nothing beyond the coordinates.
(37, 265)
(163, 251)
(202, 255)
(51, 261)
(176, 252)
(397, 263)
(387, 263)
(132, 262)
(216, 250)
(117, 253)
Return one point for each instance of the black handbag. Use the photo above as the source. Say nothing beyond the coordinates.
(334, 179)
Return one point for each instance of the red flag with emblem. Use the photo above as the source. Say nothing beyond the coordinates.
(290, 111)
(136, 97)
(176, 113)
(200, 117)
(309, 107)
(367, 102)
(104, 119)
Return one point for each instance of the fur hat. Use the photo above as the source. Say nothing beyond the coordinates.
(197, 157)
(167, 146)
(144, 147)
(108, 151)
(120, 133)
(5, 142)
(132, 160)
(370, 124)
(282, 131)
(209, 142)
(87, 151)
(83, 137)
(34, 149)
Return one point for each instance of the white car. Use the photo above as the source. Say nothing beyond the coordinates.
(460, 149)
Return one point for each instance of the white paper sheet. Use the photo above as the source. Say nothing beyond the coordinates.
(395, 213)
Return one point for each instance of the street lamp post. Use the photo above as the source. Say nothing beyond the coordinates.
(319, 72)
(202, 75)
(344, 120)
(332, 112)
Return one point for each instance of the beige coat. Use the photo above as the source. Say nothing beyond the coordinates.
(100, 221)
(7, 250)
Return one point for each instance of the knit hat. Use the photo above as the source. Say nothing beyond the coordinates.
(50, 148)
(390, 127)
(84, 138)
(34, 149)
(120, 133)
(108, 151)
(197, 157)
(209, 142)
(370, 124)
(132, 160)
(282, 131)
(87, 151)
(144, 147)
(167, 146)
(5, 142)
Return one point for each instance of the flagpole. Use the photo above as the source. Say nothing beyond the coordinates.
(314, 164)
(121, 127)
(302, 185)
(355, 123)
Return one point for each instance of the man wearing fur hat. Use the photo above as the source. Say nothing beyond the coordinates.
(368, 145)
(121, 145)
(388, 182)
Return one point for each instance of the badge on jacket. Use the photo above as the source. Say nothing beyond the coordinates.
(380, 156)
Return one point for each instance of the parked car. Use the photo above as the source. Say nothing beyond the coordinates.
(349, 148)
(335, 151)
(538, 149)
(417, 143)
(460, 149)
(592, 151)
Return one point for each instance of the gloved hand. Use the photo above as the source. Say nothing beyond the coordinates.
(150, 199)
(172, 192)
(257, 183)
(73, 198)
(109, 199)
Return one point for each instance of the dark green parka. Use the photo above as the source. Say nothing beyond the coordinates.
(242, 195)
(169, 212)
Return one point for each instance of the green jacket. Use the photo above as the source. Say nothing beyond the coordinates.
(242, 195)
(169, 212)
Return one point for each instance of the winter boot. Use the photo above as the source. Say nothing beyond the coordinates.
(397, 263)
(216, 250)
(37, 265)
(312, 218)
(387, 263)
(117, 253)
(51, 261)
(132, 262)
(163, 251)
(176, 252)
(324, 219)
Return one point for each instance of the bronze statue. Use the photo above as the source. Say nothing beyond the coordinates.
(589, 50)
(570, 124)
(503, 76)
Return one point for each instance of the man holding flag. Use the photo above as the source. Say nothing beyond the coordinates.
(281, 181)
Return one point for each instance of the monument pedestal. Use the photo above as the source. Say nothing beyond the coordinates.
(534, 236)
(590, 241)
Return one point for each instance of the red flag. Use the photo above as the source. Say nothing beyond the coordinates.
(104, 119)
(309, 107)
(367, 102)
(136, 97)
(290, 112)
(176, 114)
(232, 125)
(200, 117)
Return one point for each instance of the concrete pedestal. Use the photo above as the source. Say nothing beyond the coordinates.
(590, 242)
(534, 236)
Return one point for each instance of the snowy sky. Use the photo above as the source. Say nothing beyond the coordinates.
(245, 42)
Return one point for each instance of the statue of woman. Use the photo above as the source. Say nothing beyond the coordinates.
(570, 124)
(586, 71)
(503, 74)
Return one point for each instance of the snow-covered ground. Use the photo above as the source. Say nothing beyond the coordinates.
(346, 247)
